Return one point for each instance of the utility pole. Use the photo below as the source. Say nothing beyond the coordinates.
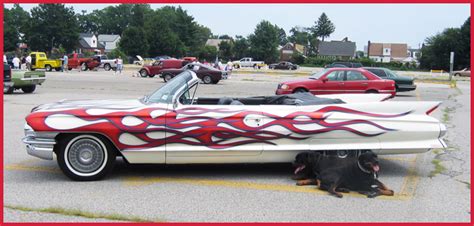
(451, 63)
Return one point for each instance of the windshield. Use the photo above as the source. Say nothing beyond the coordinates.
(165, 93)
(391, 73)
(318, 75)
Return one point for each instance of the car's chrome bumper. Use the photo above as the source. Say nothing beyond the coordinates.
(7, 85)
(39, 144)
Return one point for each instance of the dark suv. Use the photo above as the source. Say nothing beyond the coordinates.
(344, 64)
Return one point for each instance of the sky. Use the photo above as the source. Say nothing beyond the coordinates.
(390, 23)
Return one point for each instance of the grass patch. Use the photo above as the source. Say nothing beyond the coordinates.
(438, 168)
(80, 213)
(446, 117)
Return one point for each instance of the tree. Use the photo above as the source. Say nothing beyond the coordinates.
(15, 25)
(164, 42)
(435, 52)
(323, 27)
(52, 25)
(282, 39)
(226, 49)
(264, 42)
(11, 36)
(88, 23)
(241, 47)
(139, 14)
(133, 41)
(207, 53)
(299, 35)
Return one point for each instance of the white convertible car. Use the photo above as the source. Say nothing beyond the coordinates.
(172, 126)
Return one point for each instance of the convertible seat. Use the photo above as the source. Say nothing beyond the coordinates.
(300, 99)
(225, 101)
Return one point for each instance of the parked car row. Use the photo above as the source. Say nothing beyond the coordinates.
(27, 81)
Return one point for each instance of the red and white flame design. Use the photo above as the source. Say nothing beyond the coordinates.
(196, 125)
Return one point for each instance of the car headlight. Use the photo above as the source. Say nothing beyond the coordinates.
(284, 86)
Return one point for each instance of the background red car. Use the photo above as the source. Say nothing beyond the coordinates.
(339, 80)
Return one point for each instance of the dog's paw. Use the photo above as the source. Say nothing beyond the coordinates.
(372, 194)
(391, 192)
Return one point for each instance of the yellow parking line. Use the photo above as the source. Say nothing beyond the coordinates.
(143, 181)
(410, 181)
(401, 159)
(32, 168)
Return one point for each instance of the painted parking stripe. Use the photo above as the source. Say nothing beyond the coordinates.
(145, 181)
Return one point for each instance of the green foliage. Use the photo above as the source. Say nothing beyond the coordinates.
(282, 39)
(297, 58)
(116, 53)
(366, 62)
(88, 23)
(323, 27)
(133, 41)
(226, 50)
(436, 51)
(264, 42)
(164, 42)
(52, 25)
(15, 22)
(207, 53)
(299, 36)
(241, 48)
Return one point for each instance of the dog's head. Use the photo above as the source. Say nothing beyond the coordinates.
(369, 162)
(305, 160)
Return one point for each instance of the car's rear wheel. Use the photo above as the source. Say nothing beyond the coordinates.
(300, 90)
(372, 91)
(48, 67)
(85, 157)
(167, 77)
(143, 73)
(28, 89)
(107, 67)
(207, 79)
(457, 74)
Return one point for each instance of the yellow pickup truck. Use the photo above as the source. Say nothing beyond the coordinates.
(40, 61)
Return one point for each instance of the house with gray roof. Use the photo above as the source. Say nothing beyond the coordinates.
(88, 43)
(338, 50)
(109, 41)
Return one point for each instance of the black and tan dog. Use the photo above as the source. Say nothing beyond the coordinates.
(308, 165)
(335, 174)
(360, 176)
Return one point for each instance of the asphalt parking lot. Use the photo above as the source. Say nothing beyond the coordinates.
(433, 186)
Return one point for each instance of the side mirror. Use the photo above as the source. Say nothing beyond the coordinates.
(325, 79)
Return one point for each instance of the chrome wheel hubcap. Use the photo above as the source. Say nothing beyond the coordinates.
(86, 155)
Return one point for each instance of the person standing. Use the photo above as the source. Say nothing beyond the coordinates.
(23, 62)
(16, 62)
(119, 64)
(28, 62)
(65, 63)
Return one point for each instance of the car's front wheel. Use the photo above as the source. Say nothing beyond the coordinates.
(85, 157)
(207, 79)
(143, 73)
(48, 67)
(300, 90)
